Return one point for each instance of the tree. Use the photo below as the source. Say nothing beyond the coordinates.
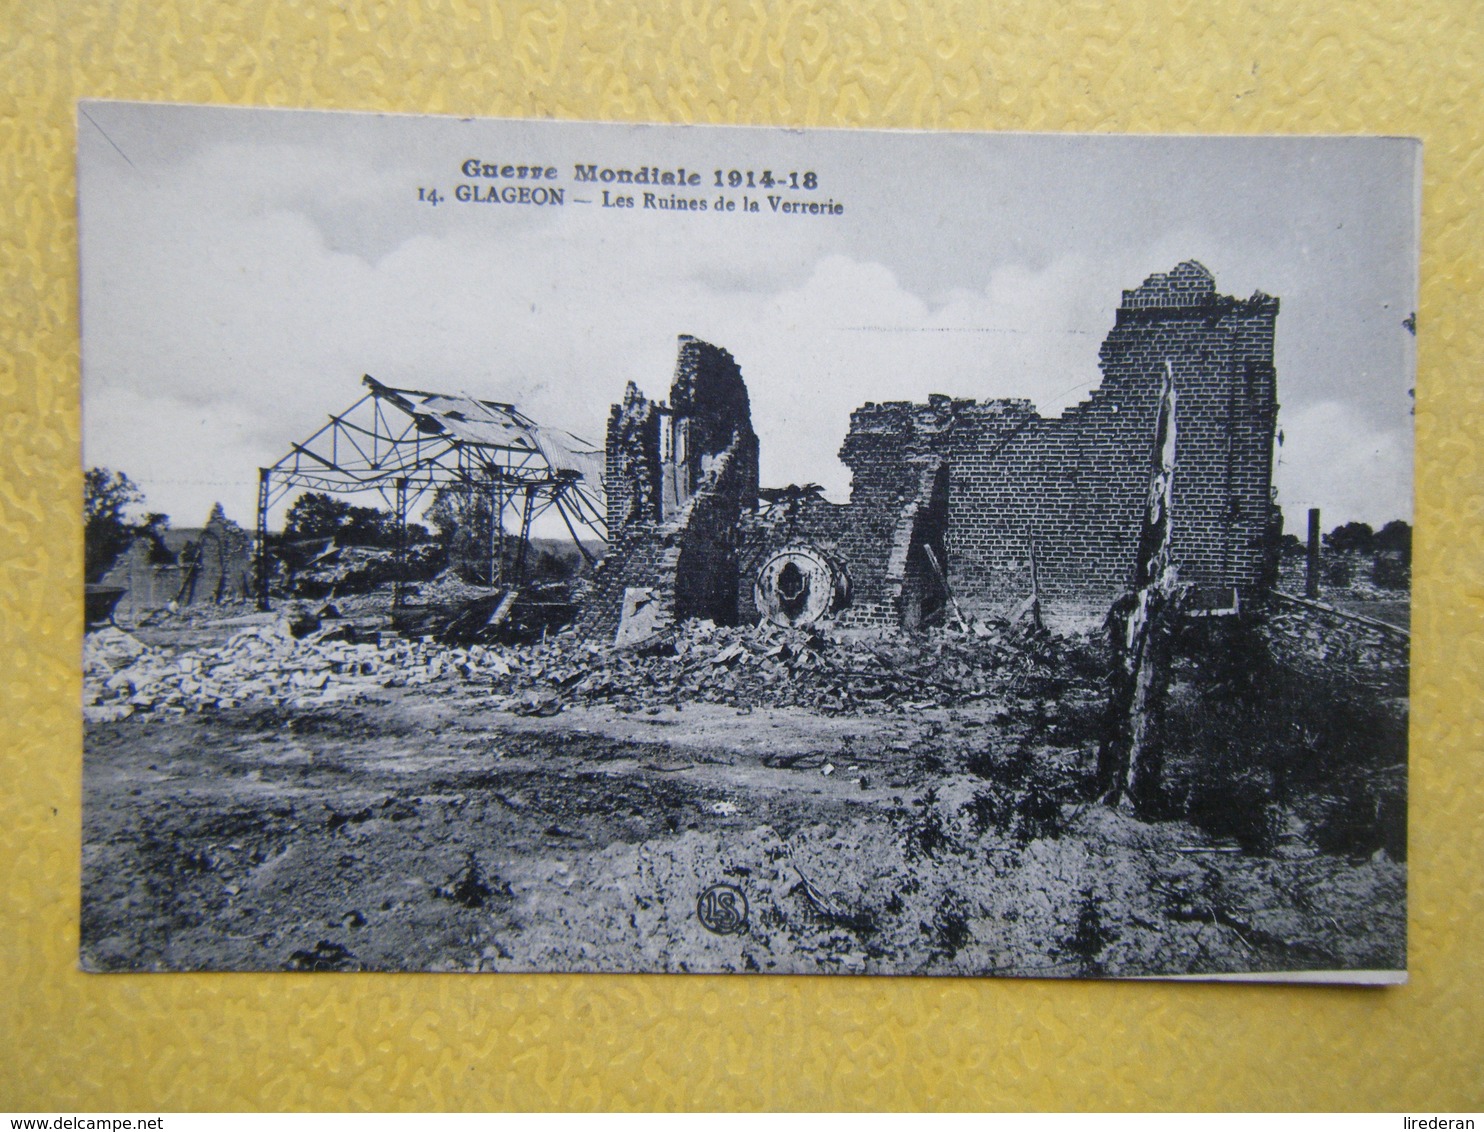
(316, 515)
(108, 496)
(457, 512)
(463, 520)
(1396, 536)
(1351, 536)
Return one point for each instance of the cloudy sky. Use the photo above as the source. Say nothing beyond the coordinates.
(242, 269)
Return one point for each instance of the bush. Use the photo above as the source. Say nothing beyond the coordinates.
(1391, 572)
(1235, 803)
(1089, 937)
(1365, 814)
(1250, 742)
(1023, 800)
(1338, 571)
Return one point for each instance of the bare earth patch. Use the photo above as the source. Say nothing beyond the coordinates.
(427, 828)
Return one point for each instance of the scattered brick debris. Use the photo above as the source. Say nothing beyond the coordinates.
(743, 667)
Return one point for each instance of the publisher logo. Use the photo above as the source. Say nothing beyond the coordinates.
(722, 909)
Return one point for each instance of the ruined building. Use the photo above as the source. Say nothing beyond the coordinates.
(182, 566)
(956, 499)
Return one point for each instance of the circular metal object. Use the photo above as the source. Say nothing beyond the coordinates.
(800, 585)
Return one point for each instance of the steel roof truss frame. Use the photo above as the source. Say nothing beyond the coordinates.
(437, 459)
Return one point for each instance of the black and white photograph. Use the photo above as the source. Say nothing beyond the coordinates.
(537, 546)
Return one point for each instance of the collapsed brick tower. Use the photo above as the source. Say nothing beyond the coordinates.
(1220, 351)
(679, 477)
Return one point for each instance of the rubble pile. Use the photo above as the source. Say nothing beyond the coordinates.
(700, 662)
(513, 615)
(264, 663)
(340, 570)
(765, 665)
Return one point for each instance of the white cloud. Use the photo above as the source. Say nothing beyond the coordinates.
(1331, 458)
(243, 333)
(142, 435)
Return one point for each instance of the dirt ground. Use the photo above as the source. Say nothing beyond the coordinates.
(429, 828)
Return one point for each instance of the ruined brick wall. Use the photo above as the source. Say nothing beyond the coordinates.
(880, 538)
(915, 578)
(632, 475)
(1074, 487)
(689, 561)
(980, 482)
(189, 566)
(709, 393)
(884, 450)
(150, 583)
(632, 560)
(219, 566)
(811, 520)
(1221, 353)
(702, 557)
(709, 409)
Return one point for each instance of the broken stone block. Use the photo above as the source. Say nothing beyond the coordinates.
(643, 618)
(109, 649)
(106, 713)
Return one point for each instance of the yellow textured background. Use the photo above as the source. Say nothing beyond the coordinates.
(72, 1042)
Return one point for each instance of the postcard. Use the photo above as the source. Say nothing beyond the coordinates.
(566, 547)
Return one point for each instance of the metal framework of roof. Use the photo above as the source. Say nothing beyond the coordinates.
(404, 442)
